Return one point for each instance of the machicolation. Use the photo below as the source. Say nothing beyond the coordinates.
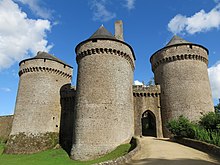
(105, 109)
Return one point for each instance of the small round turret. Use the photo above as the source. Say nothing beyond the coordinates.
(104, 105)
(37, 112)
(180, 68)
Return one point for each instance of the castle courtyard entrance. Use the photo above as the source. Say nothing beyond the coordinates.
(148, 122)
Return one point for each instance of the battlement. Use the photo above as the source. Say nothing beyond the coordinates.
(107, 51)
(47, 105)
(179, 57)
(101, 48)
(6, 116)
(44, 69)
(146, 91)
(179, 52)
(45, 63)
(68, 91)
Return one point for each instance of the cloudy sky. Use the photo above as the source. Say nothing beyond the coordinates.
(29, 26)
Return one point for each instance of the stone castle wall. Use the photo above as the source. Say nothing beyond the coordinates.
(38, 109)
(67, 94)
(147, 99)
(181, 71)
(5, 127)
(104, 101)
(105, 110)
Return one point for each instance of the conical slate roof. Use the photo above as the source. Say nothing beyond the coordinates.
(102, 32)
(45, 55)
(176, 40)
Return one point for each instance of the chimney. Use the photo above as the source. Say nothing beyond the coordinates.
(119, 30)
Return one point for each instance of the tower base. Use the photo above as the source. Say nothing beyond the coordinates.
(23, 143)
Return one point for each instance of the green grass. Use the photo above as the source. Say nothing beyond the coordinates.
(1, 148)
(56, 157)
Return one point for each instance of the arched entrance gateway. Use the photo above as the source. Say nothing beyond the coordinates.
(148, 122)
(147, 112)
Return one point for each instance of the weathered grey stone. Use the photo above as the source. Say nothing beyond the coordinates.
(38, 108)
(147, 99)
(101, 113)
(181, 71)
(119, 30)
(5, 127)
(104, 101)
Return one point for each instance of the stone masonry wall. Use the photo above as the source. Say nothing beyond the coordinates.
(67, 116)
(5, 127)
(181, 71)
(147, 99)
(38, 107)
(104, 102)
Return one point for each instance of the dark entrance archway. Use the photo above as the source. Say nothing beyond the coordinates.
(148, 122)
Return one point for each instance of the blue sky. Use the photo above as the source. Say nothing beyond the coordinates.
(28, 26)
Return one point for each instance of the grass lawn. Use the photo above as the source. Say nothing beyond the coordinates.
(56, 157)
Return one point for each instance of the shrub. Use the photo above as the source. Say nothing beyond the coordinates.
(215, 136)
(208, 129)
(181, 127)
(202, 134)
(209, 136)
(210, 121)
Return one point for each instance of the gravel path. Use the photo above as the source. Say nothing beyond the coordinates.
(163, 152)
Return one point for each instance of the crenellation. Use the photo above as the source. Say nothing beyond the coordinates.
(179, 57)
(104, 94)
(37, 100)
(44, 69)
(49, 110)
(184, 80)
(82, 54)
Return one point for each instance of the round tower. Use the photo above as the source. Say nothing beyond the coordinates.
(36, 122)
(104, 101)
(180, 68)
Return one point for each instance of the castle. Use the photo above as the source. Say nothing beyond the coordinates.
(105, 109)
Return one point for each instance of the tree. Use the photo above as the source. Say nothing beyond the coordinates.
(210, 121)
(217, 108)
(151, 82)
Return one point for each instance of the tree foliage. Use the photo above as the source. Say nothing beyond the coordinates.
(181, 127)
(210, 121)
(207, 129)
(217, 108)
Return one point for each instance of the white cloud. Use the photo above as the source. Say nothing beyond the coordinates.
(214, 77)
(129, 4)
(5, 89)
(37, 8)
(100, 12)
(199, 22)
(136, 82)
(20, 36)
